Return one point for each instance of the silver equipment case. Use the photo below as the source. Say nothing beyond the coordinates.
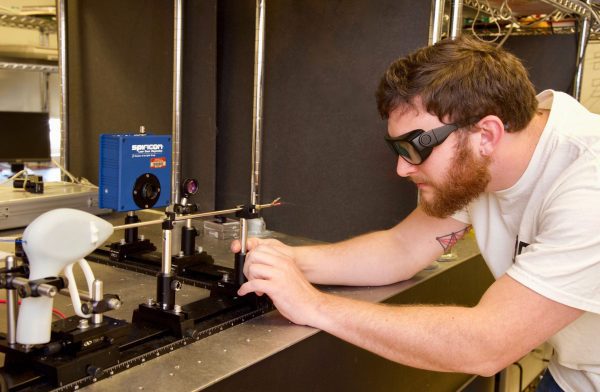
(18, 207)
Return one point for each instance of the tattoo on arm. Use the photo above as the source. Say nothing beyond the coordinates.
(449, 240)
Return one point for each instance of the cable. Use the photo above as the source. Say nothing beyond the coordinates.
(475, 21)
(11, 178)
(66, 172)
(508, 33)
(505, 13)
(58, 313)
(80, 181)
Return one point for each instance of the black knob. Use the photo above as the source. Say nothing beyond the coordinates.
(192, 333)
(52, 348)
(94, 371)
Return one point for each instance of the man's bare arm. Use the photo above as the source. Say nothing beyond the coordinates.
(509, 321)
(381, 257)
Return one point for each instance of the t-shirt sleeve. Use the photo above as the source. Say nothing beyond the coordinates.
(562, 261)
(462, 216)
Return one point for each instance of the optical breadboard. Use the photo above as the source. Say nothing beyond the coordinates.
(135, 171)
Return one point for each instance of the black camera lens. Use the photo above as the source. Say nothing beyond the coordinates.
(149, 191)
(146, 190)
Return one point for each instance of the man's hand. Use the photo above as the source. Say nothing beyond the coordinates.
(252, 243)
(271, 269)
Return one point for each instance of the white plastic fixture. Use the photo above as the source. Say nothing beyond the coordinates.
(53, 241)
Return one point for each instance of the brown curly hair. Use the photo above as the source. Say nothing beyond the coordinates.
(462, 80)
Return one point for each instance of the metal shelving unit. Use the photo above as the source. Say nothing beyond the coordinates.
(528, 7)
(45, 26)
(585, 13)
(14, 64)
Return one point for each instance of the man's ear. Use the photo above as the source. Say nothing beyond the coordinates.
(491, 130)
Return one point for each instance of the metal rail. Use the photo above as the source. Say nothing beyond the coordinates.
(274, 203)
(529, 31)
(437, 21)
(22, 65)
(456, 19)
(257, 106)
(584, 35)
(177, 75)
(570, 6)
(28, 22)
(576, 7)
(61, 11)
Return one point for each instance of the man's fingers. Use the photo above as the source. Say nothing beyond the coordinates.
(251, 243)
(254, 286)
(235, 246)
(259, 271)
(263, 254)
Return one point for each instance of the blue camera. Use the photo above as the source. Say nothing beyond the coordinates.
(135, 171)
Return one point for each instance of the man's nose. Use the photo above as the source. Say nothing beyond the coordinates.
(405, 169)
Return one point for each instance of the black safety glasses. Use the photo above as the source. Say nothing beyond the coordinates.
(416, 145)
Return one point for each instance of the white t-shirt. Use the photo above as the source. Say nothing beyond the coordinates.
(544, 232)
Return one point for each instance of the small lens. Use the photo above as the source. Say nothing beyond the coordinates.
(192, 187)
(149, 191)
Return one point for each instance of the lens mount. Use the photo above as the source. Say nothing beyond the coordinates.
(146, 190)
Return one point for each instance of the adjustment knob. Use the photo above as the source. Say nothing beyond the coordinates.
(94, 371)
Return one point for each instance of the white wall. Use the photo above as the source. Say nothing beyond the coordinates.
(590, 84)
(23, 90)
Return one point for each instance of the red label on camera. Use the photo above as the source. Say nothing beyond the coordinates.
(157, 163)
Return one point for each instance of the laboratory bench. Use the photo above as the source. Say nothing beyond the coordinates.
(269, 353)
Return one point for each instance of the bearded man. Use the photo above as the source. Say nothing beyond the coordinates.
(484, 151)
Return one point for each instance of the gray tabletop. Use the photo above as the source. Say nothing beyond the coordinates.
(209, 360)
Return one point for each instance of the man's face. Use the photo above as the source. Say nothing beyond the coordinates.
(466, 178)
(452, 176)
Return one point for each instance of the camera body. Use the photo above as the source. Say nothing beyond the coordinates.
(135, 171)
(32, 184)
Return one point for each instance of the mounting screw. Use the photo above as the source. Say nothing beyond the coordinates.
(176, 285)
(83, 324)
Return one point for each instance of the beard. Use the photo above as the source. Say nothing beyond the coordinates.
(467, 178)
